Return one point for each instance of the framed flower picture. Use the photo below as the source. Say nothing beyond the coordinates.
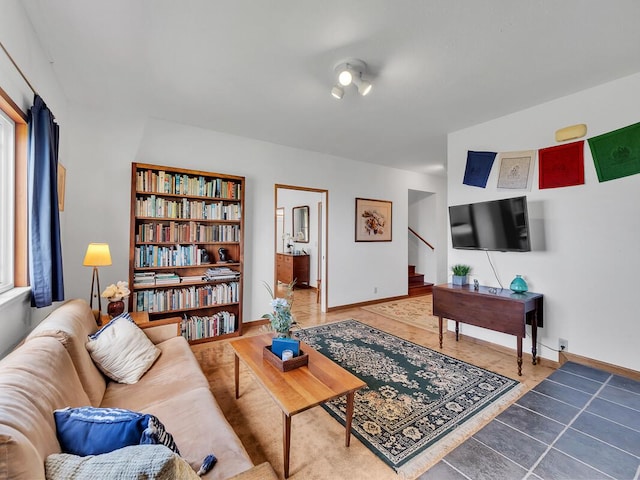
(373, 220)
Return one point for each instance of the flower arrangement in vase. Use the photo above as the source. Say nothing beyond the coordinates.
(116, 293)
(281, 318)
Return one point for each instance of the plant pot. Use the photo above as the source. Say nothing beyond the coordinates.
(460, 279)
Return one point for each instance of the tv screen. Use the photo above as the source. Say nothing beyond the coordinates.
(501, 225)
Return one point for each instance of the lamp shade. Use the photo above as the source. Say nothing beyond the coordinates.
(97, 255)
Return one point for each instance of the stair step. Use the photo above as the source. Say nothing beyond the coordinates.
(412, 270)
(416, 279)
(423, 289)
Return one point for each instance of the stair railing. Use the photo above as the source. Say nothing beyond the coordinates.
(422, 239)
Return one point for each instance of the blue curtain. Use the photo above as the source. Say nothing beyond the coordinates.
(45, 249)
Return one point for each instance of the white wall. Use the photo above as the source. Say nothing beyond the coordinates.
(586, 238)
(98, 195)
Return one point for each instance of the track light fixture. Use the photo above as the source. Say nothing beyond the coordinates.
(337, 91)
(350, 72)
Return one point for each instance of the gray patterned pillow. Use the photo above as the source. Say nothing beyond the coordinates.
(152, 462)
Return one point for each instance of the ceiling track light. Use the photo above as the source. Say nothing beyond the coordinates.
(350, 72)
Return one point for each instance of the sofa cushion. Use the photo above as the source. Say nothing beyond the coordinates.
(92, 431)
(35, 379)
(200, 428)
(122, 351)
(139, 461)
(71, 324)
(176, 370)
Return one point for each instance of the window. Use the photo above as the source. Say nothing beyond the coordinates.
(7, 198)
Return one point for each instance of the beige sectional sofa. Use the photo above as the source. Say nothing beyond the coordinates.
(52, 369)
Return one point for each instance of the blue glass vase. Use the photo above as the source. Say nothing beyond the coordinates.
(518, 285)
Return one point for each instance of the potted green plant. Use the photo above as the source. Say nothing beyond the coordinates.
(460, 274)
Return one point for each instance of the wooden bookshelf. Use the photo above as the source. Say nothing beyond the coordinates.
(180, 219)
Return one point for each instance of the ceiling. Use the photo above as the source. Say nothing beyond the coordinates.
(264, 68)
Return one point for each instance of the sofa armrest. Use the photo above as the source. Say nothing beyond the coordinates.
(161, 330)
(157, 330)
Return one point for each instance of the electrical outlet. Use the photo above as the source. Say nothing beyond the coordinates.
(563, 345)
(375, 289)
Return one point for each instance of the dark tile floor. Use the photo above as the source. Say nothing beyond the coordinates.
(579, 423)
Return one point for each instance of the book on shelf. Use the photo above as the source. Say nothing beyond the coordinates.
(198, 327)
(167, 278)
(144, 278)
(221, 273)
(191, 278)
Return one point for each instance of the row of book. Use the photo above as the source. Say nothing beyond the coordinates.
(187, 233)
(151, 279)
(173, 256)
(195, 327)
(182, 184)
(154, 301)
(155, 207)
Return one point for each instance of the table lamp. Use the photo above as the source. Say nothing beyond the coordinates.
(97, 255)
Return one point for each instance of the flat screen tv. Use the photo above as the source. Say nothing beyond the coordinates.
(501, 225)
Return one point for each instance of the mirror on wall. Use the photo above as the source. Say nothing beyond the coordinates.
(301, 224)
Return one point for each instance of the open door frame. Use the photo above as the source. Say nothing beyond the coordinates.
(323, 238)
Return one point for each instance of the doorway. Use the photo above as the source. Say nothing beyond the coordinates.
(422, 234)
(290, 200)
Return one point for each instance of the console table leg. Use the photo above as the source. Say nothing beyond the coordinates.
(520, 356)
(534, 337)
(457, 330)
(440, 330)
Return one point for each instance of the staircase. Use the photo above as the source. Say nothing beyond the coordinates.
(417, 285)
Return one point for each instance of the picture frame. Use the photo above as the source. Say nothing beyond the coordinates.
(373, 220)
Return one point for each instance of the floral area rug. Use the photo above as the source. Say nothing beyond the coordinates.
(414, 311)
(415, 397)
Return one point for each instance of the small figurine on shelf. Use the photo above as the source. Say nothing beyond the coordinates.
(116, 295)
(224, 255)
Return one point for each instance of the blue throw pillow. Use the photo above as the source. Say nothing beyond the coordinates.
(94, 431)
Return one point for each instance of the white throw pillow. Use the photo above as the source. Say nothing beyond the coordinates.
(122, 351)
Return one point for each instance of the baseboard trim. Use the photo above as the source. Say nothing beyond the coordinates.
(607, 367)
(369, 302)
(526, 356)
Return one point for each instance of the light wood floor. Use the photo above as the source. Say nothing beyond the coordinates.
(256, 418)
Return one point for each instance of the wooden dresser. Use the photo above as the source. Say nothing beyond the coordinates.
(292, 267)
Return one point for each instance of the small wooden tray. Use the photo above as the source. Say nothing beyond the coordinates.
(284, 365)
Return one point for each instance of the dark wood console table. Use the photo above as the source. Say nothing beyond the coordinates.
(497, 309)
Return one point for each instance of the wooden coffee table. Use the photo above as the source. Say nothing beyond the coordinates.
(297, 390)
